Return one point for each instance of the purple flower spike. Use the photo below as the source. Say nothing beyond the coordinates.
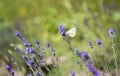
(72, 73)
(53, 52)
(62, 31)
(90, 44)
(29, 74)
(77, 52)
(111, 33)
(31, 63)
(44, 62)
(39, 55)
(26, 50)
(99, 43)
(18, 35)
(96, 73)
(32, 50)
(29, 44)
(21, 38)
(92, 70)
(38, 73)
(84, 56)
(25, 58)
(43, 50)
(9, 69)
(37, 42)
(17, 50)
(48, 45)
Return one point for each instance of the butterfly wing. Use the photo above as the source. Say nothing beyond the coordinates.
(71, 32)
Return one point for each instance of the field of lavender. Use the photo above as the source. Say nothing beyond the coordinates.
(59, 38)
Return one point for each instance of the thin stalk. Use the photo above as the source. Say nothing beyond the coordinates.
(40, 70)
(70, 48)
(76, 60)
(17, 67)
(95, 60)
(32, 71)
(115, 57)
(105, 60)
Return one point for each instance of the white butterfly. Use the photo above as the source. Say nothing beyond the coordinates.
(71, 32)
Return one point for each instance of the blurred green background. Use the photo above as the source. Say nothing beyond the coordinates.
(39, 19)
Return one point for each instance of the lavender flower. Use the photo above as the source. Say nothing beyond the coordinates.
(92, 70)
(39, 45)
(99, 43)
(89, 66)
(53, 52)
(48, 45)
(29, 44)
(77, 52)
(32, 58)
(43, 50)
(90, 44)
(25, 43)
(29, 74)
(84, 56)
(9, 69)
(32, 50)
(38, 73)
(21, 38)
(44, 62)
(19, 35)
(111, 33)
(31, 63)
(62, 31)
(25, 58)
(37, 42)
(17, 50)
(72, 73)
(96, 73)
(26, 50)
(39, 55)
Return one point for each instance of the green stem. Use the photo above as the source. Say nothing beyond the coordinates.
(95, 60)
(79, 65)
(115, 57)
(70, 48)
(40, 70)
(32, 71)
(105, 59)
